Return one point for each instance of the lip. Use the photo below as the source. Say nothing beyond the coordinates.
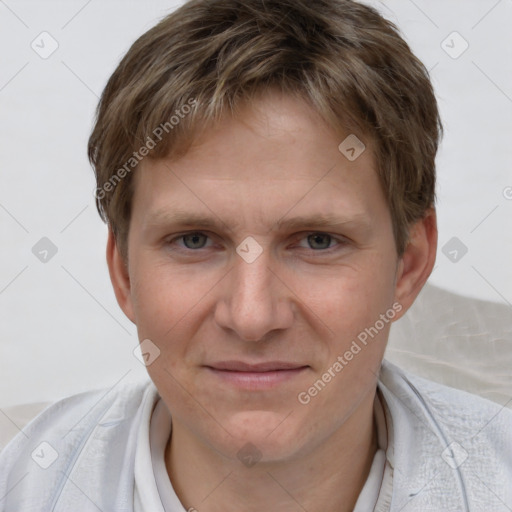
(255, 376)
(268, 366)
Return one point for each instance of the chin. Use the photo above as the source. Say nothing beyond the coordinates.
(272, 434)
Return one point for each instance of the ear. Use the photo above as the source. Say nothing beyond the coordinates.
(417, 262)
(119, 276)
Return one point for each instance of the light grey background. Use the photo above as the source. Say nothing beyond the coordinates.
(61, 331)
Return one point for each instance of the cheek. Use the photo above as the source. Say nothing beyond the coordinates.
(350, 297)
(350, 304)
(171, 307)
(150, 299)
(161, 297)
(166, 306)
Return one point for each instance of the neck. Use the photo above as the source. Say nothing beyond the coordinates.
(327, 478)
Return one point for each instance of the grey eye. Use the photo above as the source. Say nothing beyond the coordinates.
(194, 240)
(319, 241)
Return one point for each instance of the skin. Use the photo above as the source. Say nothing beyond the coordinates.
(303, 300)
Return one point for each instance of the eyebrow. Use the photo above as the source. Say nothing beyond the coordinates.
(323, 221)
(314, 221)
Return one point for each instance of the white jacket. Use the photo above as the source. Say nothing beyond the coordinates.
(448, 451)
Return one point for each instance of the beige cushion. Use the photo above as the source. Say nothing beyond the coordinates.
(13, 419)
(458, 341)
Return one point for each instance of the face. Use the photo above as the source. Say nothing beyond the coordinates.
(257, 262)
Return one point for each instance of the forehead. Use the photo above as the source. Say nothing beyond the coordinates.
(274, 155)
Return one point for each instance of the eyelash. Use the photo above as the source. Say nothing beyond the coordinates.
(340, 242)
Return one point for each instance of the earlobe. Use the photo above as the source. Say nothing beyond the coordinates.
(119, 277)
(417, 262)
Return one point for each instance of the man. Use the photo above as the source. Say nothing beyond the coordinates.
(267, 172)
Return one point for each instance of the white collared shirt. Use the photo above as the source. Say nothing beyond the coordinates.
(153, 480)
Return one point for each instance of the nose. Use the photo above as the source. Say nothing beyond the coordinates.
(254, 300)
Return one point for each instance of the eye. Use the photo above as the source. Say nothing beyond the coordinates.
(196, 240)
(320, 241)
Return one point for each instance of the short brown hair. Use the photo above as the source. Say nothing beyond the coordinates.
(207, 57)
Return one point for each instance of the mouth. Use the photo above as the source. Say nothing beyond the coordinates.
(255, 376)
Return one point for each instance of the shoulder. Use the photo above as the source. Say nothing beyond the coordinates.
(450, 448)
(79, 431)
(454, 408)
(74, 413)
